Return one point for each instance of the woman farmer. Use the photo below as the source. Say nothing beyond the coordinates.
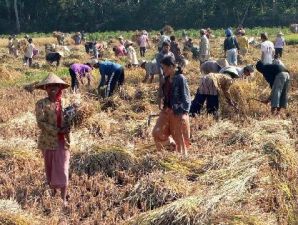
(78, 72)
(54, 136)
(172, 127)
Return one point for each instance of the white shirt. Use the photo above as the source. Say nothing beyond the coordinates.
(29, 51)
(132, 55)
(267, 49)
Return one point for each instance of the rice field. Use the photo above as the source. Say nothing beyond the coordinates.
(242, 168)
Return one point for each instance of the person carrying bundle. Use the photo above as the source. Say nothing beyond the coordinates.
(54, 140)
(278, 77)
(172, 128)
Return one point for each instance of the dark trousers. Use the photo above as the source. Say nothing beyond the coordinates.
(26, 59)
(117, 78)
(142, 51)
(74, 80)
(198, 102)
(278, 52)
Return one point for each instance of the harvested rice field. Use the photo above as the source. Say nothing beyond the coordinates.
(242, 168)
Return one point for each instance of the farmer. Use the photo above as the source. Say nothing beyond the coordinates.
(60, 38)
(242, 42)
(77, 38)
(279, 45)
(231, 47)
(120, 50)
(172, 127)
(210, 87)
(163, 38)
(121, 40)
(267, 49)
(54, 137)
(150, 68)
(10, 45)
(165, 51)
(278, 78)
(112, 74)
(181, 61)
(209, 33)
(188, 45)
(144, 43)
(77, 72)
(212, 66)
(131, 54)
(174, 46)
(29, 52)
(15, 46)
(204, 52)
(54, 57)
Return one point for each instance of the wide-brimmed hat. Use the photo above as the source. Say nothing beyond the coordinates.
(203, 31)
(51, 79)
(222, 63)
(232, 72)
(128, 42)
(120, 37)
(280, 33)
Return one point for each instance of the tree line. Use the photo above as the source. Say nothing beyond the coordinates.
(102, 15)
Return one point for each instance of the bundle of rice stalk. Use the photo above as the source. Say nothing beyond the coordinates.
(100, 124)
(8, 74)
(156, 190)
(24, 126)
(111, 103)
(168, 29)
(84, 112)
(219, 130)
(9, 205)
(241, 92)
(30, 87)
(108, 161)
(15, 219)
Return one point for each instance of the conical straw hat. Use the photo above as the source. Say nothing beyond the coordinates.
(51, 79)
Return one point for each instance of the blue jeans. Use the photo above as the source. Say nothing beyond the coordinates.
(280, 88)
(232, 56)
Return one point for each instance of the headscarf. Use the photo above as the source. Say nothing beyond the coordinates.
(229, 32)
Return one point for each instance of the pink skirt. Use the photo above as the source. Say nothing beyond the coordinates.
(57, 166)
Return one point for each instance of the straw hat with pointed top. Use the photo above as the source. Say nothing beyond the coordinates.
(51, 79)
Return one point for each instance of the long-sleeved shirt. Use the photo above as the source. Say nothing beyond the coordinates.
(47, 121)
(204, 46)
(132, 55)
(179, 97)
(243, 42)
(107, 68)
(230, 43)
(80, 69)
(279, 42)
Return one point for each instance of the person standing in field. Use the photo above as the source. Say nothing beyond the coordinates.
(267, 49)
(15, 46)
(242, 42)
(278, 77)
(10, 45)
(144, 43)
(204, 53)
(77, 72)
(172, 128)
(174, 46)
(279, 45)
(231, 47)
(163, 38)
(29, 52)
(54, 138)
(131, 54)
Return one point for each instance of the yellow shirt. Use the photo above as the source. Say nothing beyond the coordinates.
(243, 42)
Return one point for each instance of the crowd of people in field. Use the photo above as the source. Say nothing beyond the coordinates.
(172, 129)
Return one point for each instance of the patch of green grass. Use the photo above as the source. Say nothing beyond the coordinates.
(291, 39)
